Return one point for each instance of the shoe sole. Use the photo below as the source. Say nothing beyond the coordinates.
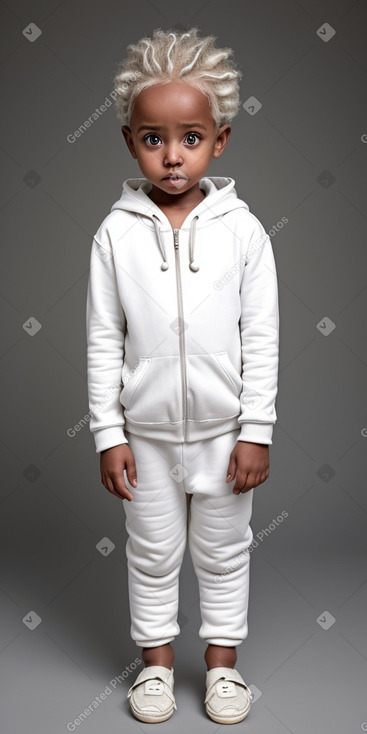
(232, 720)
(150, 719)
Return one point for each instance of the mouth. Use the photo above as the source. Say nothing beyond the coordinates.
(176, 179)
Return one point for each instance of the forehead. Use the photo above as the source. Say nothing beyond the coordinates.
(173, 103)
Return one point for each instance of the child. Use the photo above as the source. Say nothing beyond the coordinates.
(183, 331)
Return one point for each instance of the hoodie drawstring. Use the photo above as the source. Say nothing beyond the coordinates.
(164, 265)
(192, 264)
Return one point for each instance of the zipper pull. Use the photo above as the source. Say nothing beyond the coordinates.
(175, 238)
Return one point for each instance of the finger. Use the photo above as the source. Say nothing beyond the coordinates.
(257, 479)
(131, 471)
(253, 480)
(248, 489)
(122, 492)
(231, 471)
(241, 481)
(118, 488)
(260, 479)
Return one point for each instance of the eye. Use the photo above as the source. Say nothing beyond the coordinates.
(152, 139)
(192, 138)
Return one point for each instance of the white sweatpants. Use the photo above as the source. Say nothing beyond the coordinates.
(182, 494)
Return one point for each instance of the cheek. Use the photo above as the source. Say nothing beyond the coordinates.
(150, 154)
(147, 159)
(200, 159)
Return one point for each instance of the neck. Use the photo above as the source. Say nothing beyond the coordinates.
(187, 200)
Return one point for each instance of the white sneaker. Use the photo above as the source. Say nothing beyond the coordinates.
(151, 696)
(228, 698)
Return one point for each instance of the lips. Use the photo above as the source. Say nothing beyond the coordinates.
(177, 180)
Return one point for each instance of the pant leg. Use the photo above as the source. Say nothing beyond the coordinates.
(156, 523)
(219, 537)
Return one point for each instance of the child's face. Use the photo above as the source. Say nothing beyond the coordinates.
(173, 136)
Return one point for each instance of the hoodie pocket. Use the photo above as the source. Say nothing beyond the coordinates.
(214, 387)
(154, 393)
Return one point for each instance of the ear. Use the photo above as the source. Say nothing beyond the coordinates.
(129, 140)
(221, 140)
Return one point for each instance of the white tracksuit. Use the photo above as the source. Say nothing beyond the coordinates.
(183, 338)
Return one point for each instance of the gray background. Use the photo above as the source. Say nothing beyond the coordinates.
(54, 508)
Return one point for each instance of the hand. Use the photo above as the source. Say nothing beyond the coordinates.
(113, 461)
(249, 464)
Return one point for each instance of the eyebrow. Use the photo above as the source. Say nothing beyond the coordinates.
(162, 127)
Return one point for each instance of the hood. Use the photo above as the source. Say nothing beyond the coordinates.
(221, 198)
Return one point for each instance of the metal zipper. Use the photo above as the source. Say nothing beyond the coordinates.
(181, 332)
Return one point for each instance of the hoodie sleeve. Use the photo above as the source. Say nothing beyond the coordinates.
(106, 324)
(259, 326)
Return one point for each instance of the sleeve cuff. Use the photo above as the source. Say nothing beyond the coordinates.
(256, 433)
(106, 438)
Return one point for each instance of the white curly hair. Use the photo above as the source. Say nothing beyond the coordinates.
(170, 55)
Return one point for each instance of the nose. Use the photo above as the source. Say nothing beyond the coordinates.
(172, 156)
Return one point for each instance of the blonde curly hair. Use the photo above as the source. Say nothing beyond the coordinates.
(172, 55)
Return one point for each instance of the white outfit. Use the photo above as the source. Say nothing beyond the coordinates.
(217, 529)
(183, 336)
(187, 319)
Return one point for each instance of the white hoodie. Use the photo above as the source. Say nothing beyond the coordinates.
(183, 324)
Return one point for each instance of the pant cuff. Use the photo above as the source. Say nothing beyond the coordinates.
(154, 643)
(224, 641)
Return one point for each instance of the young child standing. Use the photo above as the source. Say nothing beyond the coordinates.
(183, 335)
